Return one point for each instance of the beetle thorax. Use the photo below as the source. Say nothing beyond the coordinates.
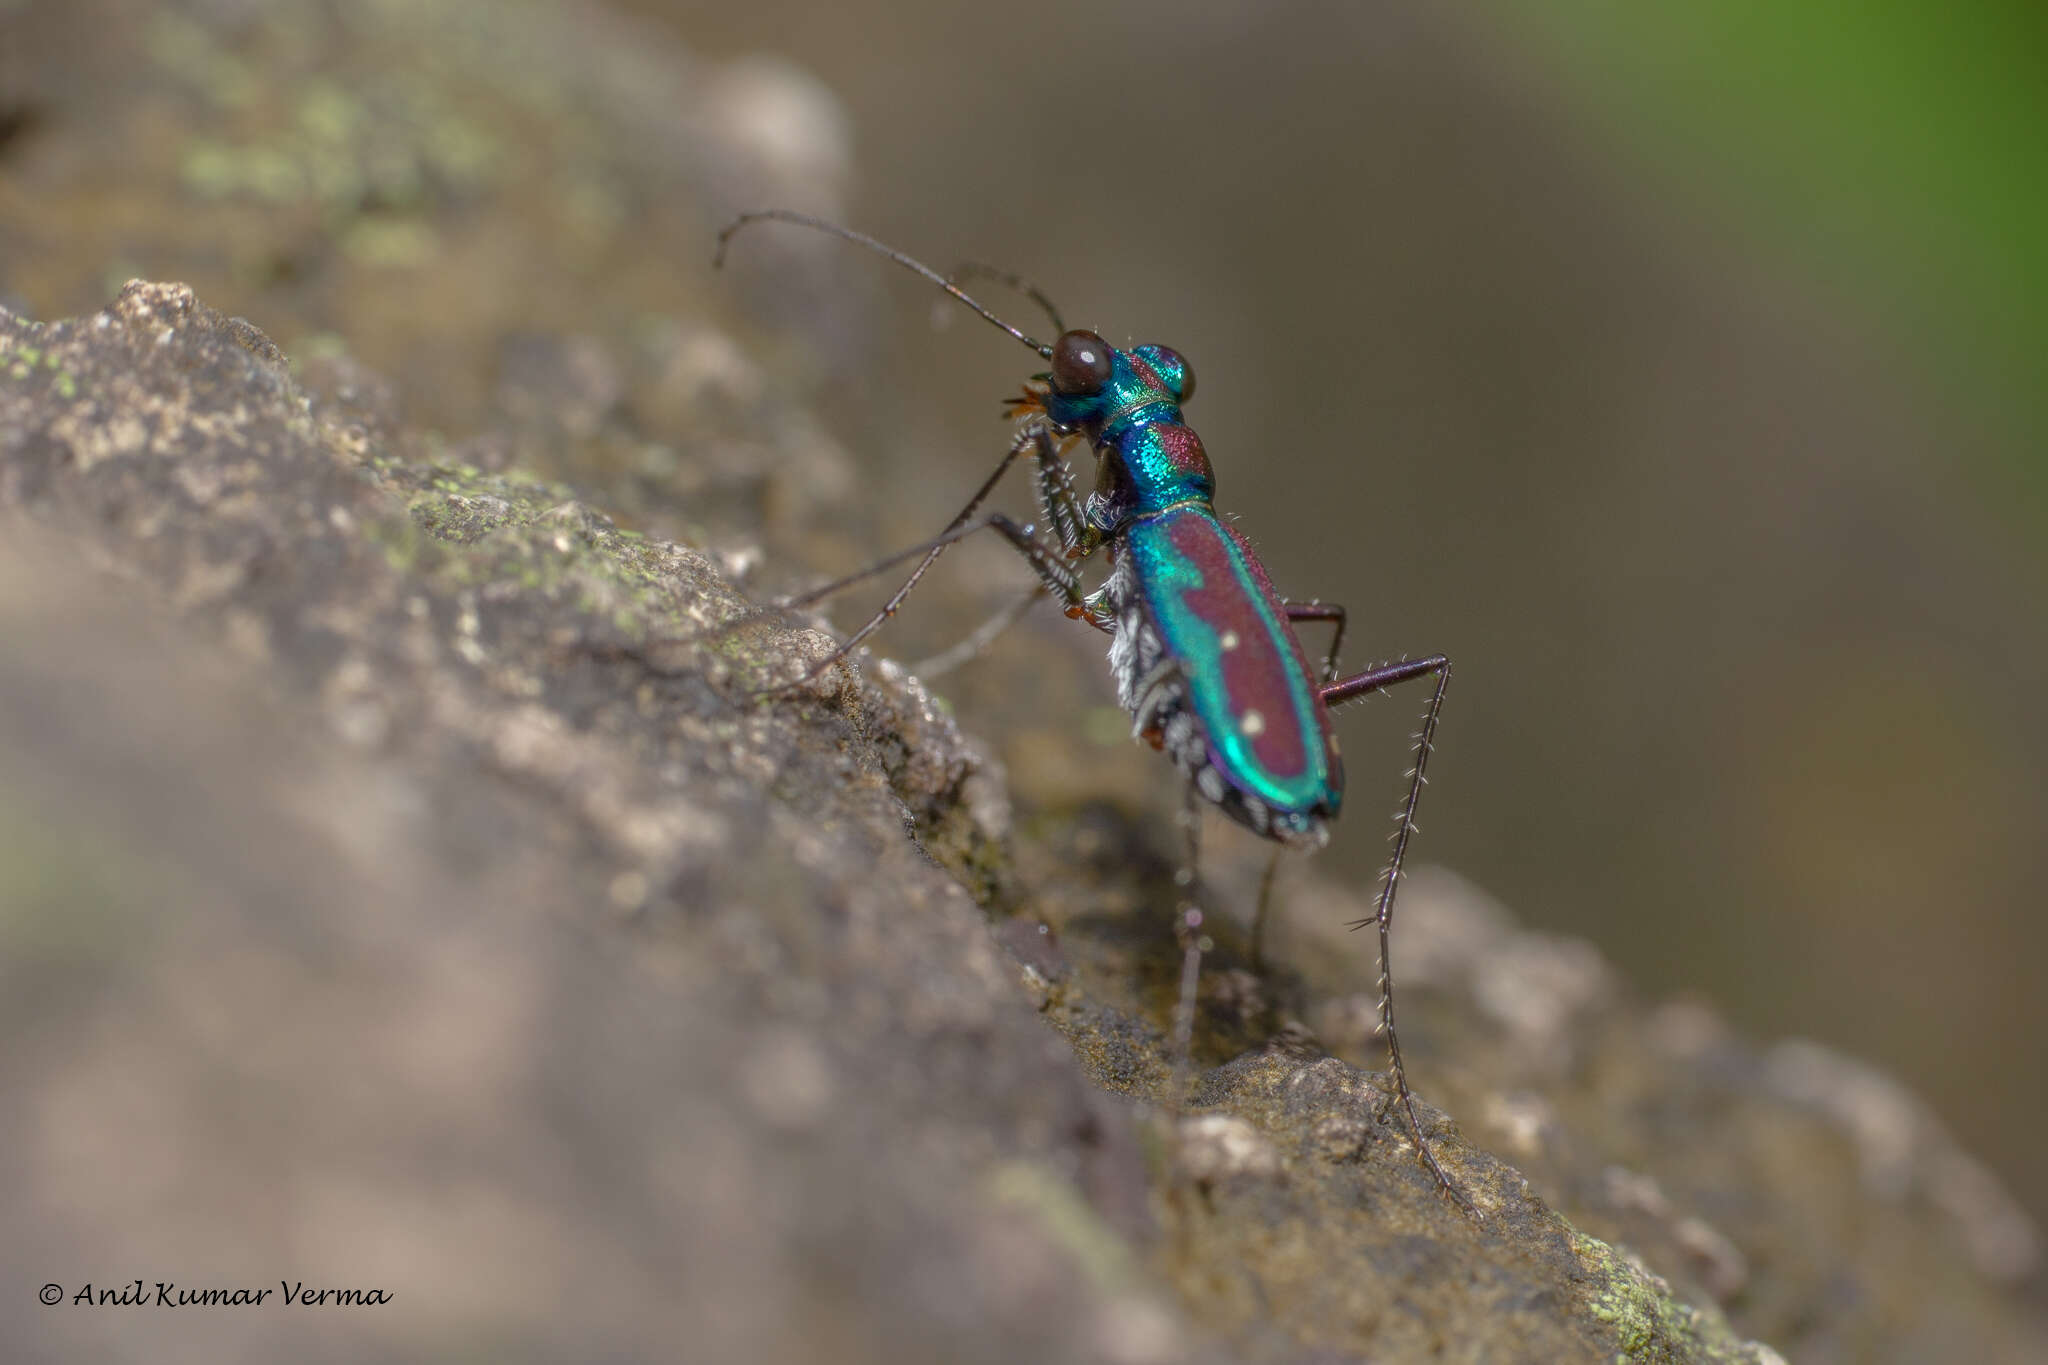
(1154, 465)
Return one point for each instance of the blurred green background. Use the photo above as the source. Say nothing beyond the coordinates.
(1678, 370)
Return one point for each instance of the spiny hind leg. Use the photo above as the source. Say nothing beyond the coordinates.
(1187, 932)
(1357, 685)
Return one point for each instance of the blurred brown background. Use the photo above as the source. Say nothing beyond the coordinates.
(1676, 375)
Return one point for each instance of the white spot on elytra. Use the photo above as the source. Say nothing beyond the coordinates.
(1252, 724)
(1229, 640)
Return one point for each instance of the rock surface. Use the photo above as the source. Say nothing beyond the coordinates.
(398, 891)
(452, 920)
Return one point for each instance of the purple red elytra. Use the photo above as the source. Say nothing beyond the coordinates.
(1202, 646)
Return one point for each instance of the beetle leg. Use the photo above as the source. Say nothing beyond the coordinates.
(1373, 680)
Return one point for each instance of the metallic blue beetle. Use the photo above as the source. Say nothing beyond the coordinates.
(1202, 646)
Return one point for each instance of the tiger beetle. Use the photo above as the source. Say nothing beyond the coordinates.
(1201, 644)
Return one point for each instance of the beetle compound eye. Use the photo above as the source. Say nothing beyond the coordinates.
(1175, 370)
(1171, 367)
(1081, 363)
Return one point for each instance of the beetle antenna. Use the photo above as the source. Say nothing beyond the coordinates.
(967, 269)
(919, 267)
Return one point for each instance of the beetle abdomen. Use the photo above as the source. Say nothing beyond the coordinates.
(1210, 670)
